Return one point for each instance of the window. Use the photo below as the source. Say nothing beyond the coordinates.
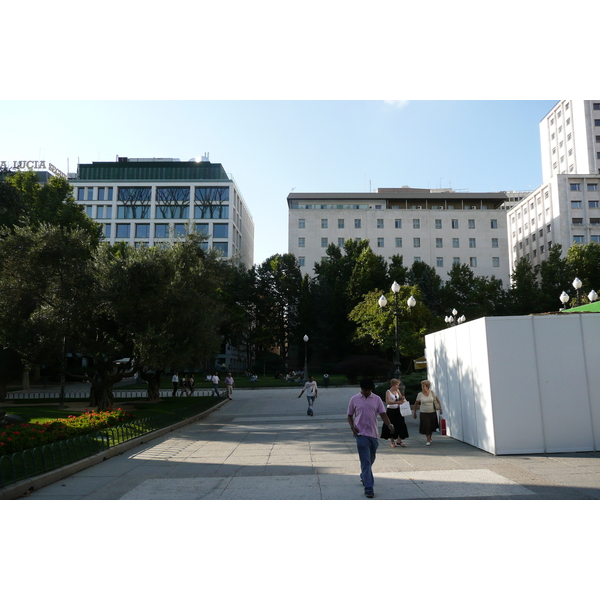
(379, 223)
(221, 248)
(301, 224)
(416, 223)
(398, 223)
(90, 193)
(593, 238)
(578, 239)
(340, 223)
(80, 194)
(471, 223)
(202, 228)
(439, 261)
(341, 241)
(575, 187)
(142, 230)
(100, 212)
(593, 204)
(455, 243)
(454, 223)
(417, 259)
(577, 221)
(549, 227)
(495, 261)
(324, 242)
(101, 194)
(301, 261)
(592, 187)
(221, 230)
(595, 221)
(438, 223)
(179, 230)
(88, 210)
(161, 231)
(456, 260)
(172, 211)
(380, 242)
(123, 230)
(439, 243)
(596, 106)
(473, 261)
(356, 223)
(324, 224)
(494, 223)
(416, 242)
(398, 242)
(472, 243)
(219, 211)
(107, 230)
(301, 242)
(576, 204)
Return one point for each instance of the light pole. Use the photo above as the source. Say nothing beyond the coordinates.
(305, 338)
(564, 297)
(577, 285)
(452, 320)
(411, 302)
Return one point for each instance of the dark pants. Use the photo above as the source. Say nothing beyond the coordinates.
(175, 388)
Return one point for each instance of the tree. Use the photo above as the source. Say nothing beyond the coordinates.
(554, 279)
(584, 263)
(524, 290)
(429, 283)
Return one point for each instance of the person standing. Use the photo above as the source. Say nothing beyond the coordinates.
(215, 381)
(184, 384)
(191, 385)
(175, 382)
(312, 391)
(428, 420)
(230, 385)
(362, 414)
(393, 400)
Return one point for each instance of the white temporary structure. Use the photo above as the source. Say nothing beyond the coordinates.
(520, 385)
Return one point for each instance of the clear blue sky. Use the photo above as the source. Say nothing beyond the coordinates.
(272, 147)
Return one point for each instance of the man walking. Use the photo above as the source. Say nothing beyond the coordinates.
(230, 385)
(362, 418)
(310, 387)
(215, 381)
(175, 382)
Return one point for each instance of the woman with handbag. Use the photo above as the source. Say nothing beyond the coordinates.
(394, 400)
(429, 404)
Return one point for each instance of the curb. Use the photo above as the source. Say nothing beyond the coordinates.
(23, 486)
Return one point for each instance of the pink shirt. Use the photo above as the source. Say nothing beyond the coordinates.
(365, 411)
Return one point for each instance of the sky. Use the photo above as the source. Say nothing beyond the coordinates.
(274, 147)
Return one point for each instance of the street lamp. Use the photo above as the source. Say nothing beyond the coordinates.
(577, 285)
(305, 338)
(452, 320)
(411, 302)
(564, 298)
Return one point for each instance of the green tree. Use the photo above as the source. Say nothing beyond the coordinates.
(429, 283)
(584, 263)
(524, 290)
(555, 277)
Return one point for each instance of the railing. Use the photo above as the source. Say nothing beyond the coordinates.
(40, 460)
(84, 395)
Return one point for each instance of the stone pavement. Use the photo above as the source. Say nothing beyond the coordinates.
(262, 446)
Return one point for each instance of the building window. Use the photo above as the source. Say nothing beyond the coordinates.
(301, 223)
(221, 248)
(495, 261)
(142, 230)
(438, 223)
(455, 243)
(596, 106)
(595, 221)
(161, 231)
(416, 242)
(107, 230)
(356, 223)
(456, 260)
(495, 243)
(202, 229)
(301, 242)
(473, 261)
(439, 261)
(301, 261)
(417, 259)
(88, 210)
(578, 239)
(593, 238)
(221, 230)
(340, 223)
(471, 223)
(324, 224)
(575, 187)
(472, 243)
(576, 204)
(341, 242)
(439, 243)
(577, 221)
(380, 242)
(494, 223)
(416, 223)
(592, 187)
(398, 242)
(324, 242)
(379, 223)
(398, 223)
(123, 230)
(594, 204)
(454, 223)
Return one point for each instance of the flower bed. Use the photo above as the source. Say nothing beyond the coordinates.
(18, 437)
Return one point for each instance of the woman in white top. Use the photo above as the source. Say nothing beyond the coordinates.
(428, 422)
(393, 400)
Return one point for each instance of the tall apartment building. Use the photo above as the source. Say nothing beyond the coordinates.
(438, 226)
(143, 201)
(565, 208)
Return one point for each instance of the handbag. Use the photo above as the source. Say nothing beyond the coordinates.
(436, 403)
(405, 409)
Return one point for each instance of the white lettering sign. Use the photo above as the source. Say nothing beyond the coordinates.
(35, 165)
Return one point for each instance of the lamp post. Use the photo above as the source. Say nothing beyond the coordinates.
(305, 338)
(451, 320)
(411, 302)
(564, 297)
(577, 285)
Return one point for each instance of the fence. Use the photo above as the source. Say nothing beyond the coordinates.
(84, 395)
(40, 460)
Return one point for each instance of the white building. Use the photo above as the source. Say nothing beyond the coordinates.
(142, 201)
(438, 226)
(565, 209)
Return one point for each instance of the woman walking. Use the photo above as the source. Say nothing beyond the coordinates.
(393, 400)
(428, 421)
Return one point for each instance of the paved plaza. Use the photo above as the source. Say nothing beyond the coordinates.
(261, 445)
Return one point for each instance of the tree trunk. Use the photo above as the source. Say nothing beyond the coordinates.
(153, 381)
(101, 396)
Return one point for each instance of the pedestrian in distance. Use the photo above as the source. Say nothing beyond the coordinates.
(215, 381)
(191, 385)
(312, 391)
(362, 414)
(230, 383)
(175, 382)
(427, 402)
(393, 400)
(184, 385)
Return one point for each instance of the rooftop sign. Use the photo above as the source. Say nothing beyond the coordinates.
(35, 165)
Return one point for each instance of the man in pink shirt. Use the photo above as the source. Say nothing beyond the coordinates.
(362, 417)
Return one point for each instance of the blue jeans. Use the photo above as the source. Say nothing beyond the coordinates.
(367, 448)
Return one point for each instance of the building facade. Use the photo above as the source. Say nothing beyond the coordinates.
(145, 201)
(440, 226)
(565, 208)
